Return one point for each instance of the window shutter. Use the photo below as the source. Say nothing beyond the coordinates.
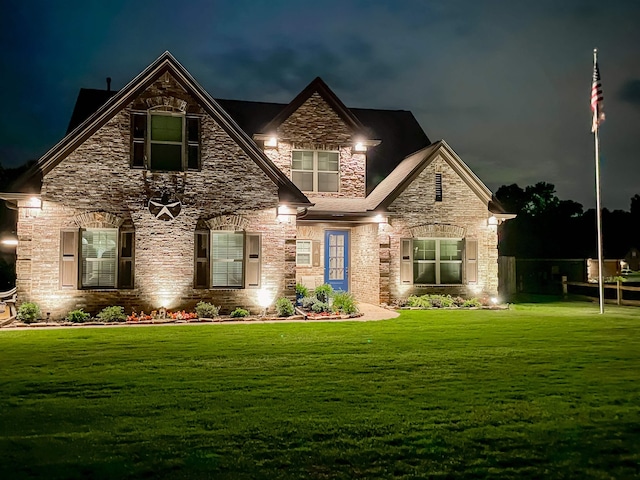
(138, 139)
(315, 253)
(69, 259)
(201, 272)
(253, 261)
(471, 260)
(193, 143)
(406, 262)
(126, 263)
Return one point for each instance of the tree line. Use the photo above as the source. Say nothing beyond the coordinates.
(547, 227)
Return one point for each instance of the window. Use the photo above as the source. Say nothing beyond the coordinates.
(431, 261)
(303, 253)
(227, 259)
(165, 141)
(97, 258)
(315, 170)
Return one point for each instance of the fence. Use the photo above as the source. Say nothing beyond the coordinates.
(619, 288)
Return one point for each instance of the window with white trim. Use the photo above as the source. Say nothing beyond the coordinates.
(432, 261)
(165, 141)
(304, 251)
(315, 170)
(227, 259)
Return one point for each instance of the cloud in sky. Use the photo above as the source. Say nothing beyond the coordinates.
(505, 83)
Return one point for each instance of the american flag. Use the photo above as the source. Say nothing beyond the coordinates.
(596, 98)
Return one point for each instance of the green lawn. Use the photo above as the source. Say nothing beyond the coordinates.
(539, 391)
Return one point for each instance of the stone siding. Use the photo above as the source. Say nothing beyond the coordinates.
(97, 177)
(316, 126)
(461, 213)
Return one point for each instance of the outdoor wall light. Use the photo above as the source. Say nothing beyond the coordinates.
(9, 239)
(380, 219)
(360, 147)
(271, 142)
(492, 221)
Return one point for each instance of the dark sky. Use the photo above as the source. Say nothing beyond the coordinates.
(505, 83)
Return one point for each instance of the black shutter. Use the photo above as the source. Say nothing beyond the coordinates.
(127, 253)
(193, 143)
(201, 274)
(138, 139)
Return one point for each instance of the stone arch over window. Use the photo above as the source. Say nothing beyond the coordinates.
(98, 220)
(228, 222)
(437, 231)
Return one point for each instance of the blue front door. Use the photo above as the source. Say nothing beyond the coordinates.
(336, 259)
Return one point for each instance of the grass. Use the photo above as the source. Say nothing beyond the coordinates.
(539, 391)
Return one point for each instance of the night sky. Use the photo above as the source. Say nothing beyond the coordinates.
(505, 83)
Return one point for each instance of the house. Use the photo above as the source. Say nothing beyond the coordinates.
(160, 195)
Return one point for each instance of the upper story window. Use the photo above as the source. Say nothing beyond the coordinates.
(315, 170)
(165, 141)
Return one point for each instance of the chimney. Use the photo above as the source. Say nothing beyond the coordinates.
(108, 84)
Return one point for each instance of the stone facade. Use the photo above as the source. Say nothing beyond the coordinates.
(97, 177)
(316, 126)
(95, 186)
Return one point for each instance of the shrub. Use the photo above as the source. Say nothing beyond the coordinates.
(319, 307)
(113, 313)
(239, 313)
(419, 302)
(307, 302)
(77, 316)
(284, 307)
(458, 301)
(435, 301)
(301, 290)
(323, 292)
(207, 310)
(345, 303)
(28, 312)
(472, 302)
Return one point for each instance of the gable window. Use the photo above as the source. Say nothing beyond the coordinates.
(438, 187)
(431, 261)
(227, 259)
(96, 258)
(315, 170)
(165, 141)
(303, 253)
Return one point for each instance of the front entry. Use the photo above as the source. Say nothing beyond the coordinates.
(336, 259)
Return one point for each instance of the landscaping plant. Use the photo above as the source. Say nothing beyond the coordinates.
(284, 307)
(323, 292)
(239, 313)
(77, 316)
(112, 314)
(207, 310)
(28, 312)
(344, 302)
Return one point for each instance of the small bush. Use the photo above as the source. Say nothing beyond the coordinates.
(458, 301)
(319, 307)
(113, 313)
(436, 301)
(307, 302)
(239, 313)
(284, 307)
(77, 316)
(419, 302)
(323, 292)
(207, 310)
(301, 290)
(472, 302)
(28, 312)
(344, 302)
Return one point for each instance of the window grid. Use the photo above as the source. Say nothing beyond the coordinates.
(316, 170)
(303, 253)
(99, 258)
(437, 261)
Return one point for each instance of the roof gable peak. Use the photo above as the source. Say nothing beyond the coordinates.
(318, 86)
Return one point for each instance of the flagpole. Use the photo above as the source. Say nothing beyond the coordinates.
(596, 136)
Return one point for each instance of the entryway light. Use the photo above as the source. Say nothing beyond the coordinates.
(271, 142)
(492, 221)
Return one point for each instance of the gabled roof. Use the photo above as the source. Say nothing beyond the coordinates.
(316, 86)
(167, 63)
(398, 180)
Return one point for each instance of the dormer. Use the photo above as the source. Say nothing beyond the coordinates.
(319, 144)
